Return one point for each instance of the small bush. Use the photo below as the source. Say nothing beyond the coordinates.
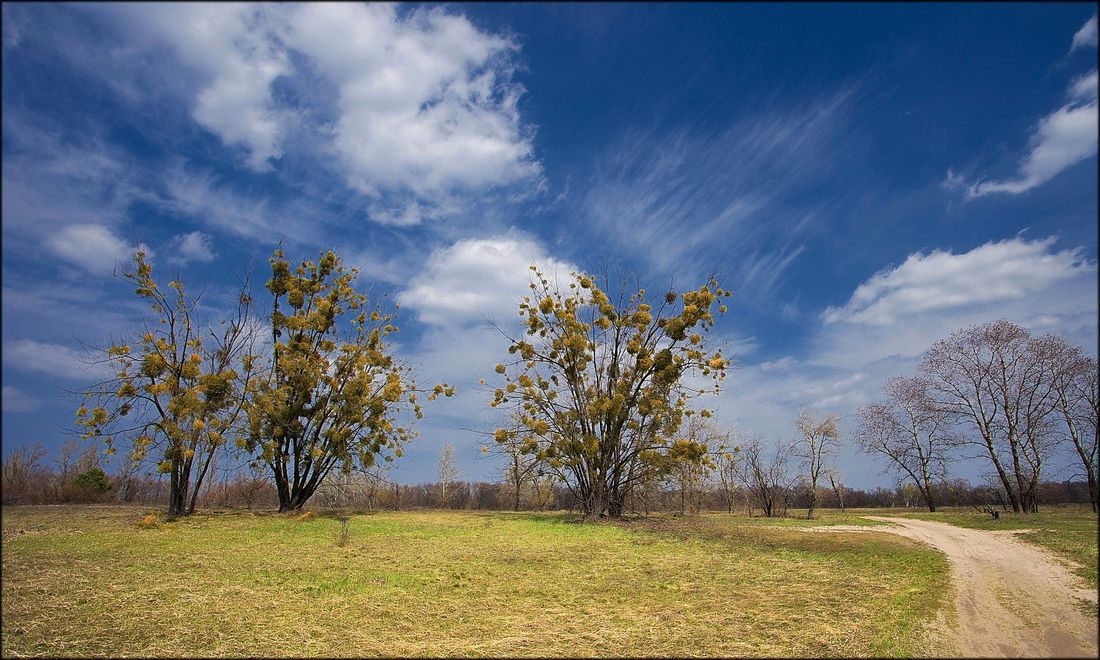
(308, 515)
(94, 480)
(148, 522)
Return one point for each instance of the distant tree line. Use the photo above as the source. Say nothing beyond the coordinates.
(28, 480)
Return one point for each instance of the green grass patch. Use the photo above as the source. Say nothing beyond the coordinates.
(90, 581)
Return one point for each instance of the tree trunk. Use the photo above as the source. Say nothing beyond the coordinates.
(615, 507)
(1092, 489)
(177, 491)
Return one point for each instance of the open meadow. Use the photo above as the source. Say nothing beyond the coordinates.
(90, 580)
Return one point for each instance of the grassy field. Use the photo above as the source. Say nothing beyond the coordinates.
(90, 581)
(1069, 531)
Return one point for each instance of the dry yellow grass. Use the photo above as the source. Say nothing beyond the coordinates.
(87, 581)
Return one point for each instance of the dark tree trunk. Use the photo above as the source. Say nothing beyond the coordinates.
(177, 491)
(615, 507)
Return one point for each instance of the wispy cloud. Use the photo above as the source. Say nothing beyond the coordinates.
(51, 359)
(1086, 36)
(687, 201)
(1063, 138)
(1058, 141)
(16, 400)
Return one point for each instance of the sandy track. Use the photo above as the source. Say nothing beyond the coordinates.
(1013, 599)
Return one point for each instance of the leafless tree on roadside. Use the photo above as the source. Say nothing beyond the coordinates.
(910, 432)
(997, 379)
(817, 442)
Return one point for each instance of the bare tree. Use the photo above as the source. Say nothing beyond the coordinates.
(523, 465)
(817, 442)
(19, 471)
(910, 432)
(65, 460)
(766, 475)
(729, 461)
(998, 379)
(836, 482)
(448, 471)
(1075, 390)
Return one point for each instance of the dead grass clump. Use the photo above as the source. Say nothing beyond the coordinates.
(148, 522)
(307, 516)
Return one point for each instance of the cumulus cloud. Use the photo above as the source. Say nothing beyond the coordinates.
(94, 247)
(422, 103)
(1086, 36)
(479, 278)
(942, 280)
(17, 401)
(195, 246)
(51, 359)
(426, 101)
(233, 48)
(899, 312)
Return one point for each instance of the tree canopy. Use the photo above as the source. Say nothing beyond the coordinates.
(174, 394)
(600, 386)
(334, 395)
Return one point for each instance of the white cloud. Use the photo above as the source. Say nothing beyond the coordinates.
(194, 246)
(422, 105)
(51, 359)
(672, 197)
(201, 197)
(1063, 138)
(94, 247)
(893, 317)
(953, 180)
(17, 401)
(234, 48)
(1059, 140)
(426, 101)
(941, 280)
(1086, 36)
(479, 278)
(1084, 87)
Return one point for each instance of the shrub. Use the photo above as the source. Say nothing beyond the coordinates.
(94, 480)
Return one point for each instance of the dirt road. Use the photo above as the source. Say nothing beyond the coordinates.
(1013, 599)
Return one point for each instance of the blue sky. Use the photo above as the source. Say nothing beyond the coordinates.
(866, 178)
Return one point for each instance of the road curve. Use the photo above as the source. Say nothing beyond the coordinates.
(1012, 599)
